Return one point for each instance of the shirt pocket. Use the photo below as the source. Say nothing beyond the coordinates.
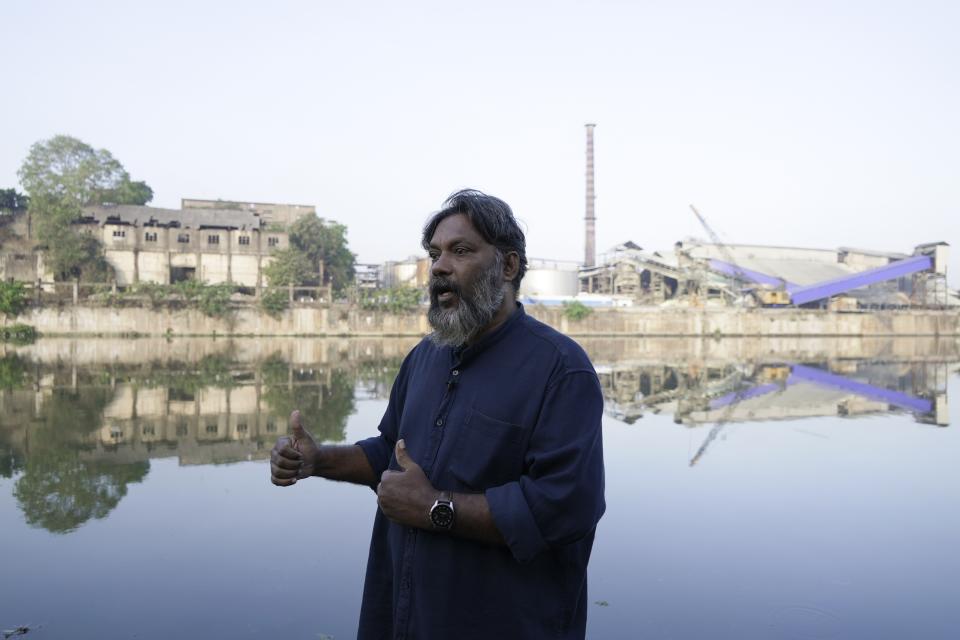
(489, 452)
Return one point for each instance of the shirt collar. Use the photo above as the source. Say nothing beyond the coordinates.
(463, 354)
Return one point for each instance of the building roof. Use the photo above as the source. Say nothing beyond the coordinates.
(142, 216)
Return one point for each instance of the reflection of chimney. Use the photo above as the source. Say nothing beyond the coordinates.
(589, 258)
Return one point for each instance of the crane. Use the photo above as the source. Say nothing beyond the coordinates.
(764, 296)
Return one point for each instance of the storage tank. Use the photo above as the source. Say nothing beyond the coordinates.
(550, 282)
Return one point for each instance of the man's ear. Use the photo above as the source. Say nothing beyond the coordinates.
(511, 267)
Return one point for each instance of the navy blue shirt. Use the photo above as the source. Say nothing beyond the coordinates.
(515, 416)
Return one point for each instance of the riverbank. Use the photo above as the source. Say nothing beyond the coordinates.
(345, 320)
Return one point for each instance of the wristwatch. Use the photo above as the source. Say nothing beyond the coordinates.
(442, 513)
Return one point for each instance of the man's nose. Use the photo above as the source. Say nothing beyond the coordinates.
(440, 266)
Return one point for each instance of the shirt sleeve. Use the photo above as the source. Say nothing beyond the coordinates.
(559, 499)
(379, 449)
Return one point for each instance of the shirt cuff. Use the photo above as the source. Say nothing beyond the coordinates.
(514, 520)
(378, 455)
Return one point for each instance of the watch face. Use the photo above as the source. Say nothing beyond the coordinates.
(442, 515)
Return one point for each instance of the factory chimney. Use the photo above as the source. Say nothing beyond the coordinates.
(589, 258)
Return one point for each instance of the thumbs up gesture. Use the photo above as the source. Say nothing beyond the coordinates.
(405, 496)
(294, 456)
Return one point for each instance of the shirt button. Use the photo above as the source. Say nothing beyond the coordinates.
(439, 422)
(456, 372)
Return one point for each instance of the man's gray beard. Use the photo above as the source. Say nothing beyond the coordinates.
(475, 309)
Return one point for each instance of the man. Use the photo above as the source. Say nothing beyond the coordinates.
(489, 464)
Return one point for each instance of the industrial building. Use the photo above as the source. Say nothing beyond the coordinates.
(271, 214)
(150, 244)
(414, 272)
(845, 279)
(147, 244)
(699, 273)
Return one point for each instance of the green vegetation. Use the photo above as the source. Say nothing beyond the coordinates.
(211, 299)
(13, 298)
(18, 334)
(13, 372)
(59, 489)
(314, 242)
(325, 405)
(62, 175)
(274, 302)
(396, 300)
(11, 200)
(576, 310)
(213, 370)
(289, 266)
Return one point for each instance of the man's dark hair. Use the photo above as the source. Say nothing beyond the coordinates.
(491, 217)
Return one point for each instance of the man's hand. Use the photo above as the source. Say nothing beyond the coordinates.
(405, 497)
(293, 457)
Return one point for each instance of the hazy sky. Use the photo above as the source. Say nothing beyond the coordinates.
(803, 123)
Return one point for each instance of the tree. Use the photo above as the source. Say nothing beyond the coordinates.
(129, 193)
(289, 266)
(13, 298)
(325, 242)
(71, 171)
(12, 200)
(62, 175)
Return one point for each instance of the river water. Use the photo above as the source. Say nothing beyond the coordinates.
(801, 489)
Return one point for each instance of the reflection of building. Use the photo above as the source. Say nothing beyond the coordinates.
(209, 426)
(738, 393)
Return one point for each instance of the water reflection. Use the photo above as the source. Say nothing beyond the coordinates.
(736, 392)
(799, 517)
(76, 437)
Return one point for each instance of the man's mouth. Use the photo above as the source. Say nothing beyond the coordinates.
(445, 292)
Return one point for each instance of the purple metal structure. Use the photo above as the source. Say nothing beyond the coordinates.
(821, 290)
(803, 294)
(801, 373)
(733, 270)
(737, 397)
(832, 380)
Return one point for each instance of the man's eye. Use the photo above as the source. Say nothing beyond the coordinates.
(433, 257)
(460, 251)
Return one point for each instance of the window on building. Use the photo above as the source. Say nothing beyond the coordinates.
(119, 233)
(149, 431)
(182, 430)
(271, 426)
(214, 239)
(244, 240)
(150, 237)
(242, 427)
(273, 241)
(183, 238)
(212, 428)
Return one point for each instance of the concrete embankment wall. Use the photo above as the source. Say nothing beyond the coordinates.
(349, 321)
(616, 351)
